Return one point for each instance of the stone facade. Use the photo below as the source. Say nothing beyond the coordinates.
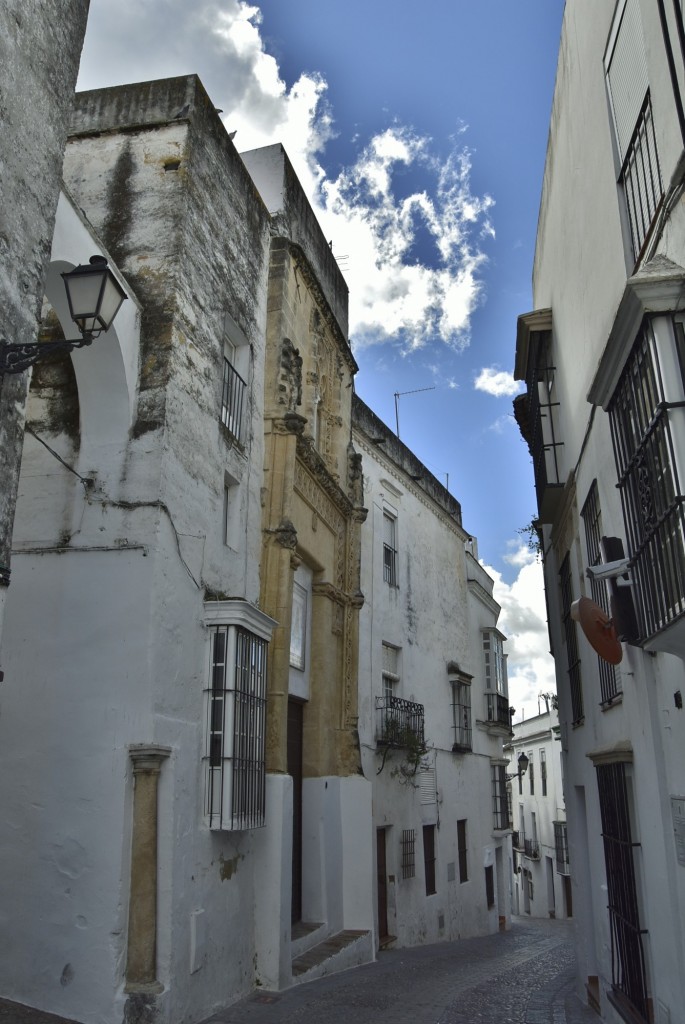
(36, 107)
(602, 358)
(312, 516)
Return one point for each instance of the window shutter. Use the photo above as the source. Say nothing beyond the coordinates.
(427, 784)
(626, 69)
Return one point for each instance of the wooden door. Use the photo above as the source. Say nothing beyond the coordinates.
(382, 876)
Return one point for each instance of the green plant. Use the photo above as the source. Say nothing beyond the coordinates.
(532, 532)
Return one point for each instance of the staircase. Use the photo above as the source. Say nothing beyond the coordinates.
(316, 953)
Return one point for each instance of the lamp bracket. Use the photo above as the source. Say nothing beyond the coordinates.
(17, 358)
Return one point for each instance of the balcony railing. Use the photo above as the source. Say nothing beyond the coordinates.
(499, 712)
(232, 394)
(399, 722)
(531, 848)
(517, 839)
(641, 178)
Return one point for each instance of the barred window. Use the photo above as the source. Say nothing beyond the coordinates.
(609, 678)
(235, 731)
(232, 396)
(633, 122)
(531, 773)
(561, 847)
(500, 804)
(461, 715)
(543, 770)
(644, 415)
(629, 975)
(571, 637)
(407, 846)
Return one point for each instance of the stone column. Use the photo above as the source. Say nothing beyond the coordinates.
(141, 962)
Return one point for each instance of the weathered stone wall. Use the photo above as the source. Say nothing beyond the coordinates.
(40, 48)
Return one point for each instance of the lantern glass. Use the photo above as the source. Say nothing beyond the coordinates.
(94, 295)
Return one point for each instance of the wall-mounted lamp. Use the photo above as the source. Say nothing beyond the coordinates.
(522, 767)
(94, 296)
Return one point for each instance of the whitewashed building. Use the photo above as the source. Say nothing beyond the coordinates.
(134, 651)
(541, 884)
(433, 704)
(602, 355)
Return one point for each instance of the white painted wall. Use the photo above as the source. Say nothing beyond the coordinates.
(580, 272)
(434, 616)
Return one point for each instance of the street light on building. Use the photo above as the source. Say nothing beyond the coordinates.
(522, 767)
(94, 296)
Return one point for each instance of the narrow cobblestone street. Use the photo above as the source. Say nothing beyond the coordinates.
(523, 976)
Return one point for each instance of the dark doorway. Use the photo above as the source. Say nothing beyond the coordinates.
(568, 897)
(295, 709)
(382, 875)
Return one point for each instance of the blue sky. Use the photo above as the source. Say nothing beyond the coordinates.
(419, 132)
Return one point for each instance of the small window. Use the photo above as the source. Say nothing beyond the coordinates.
(429, 858)
(390, 675)
(233, 389)
(298, 627)
(232, 513)
(531, 773)
(500, 804)
(543, 770)
(408, 855)
(462, 850)
(461, 714)
(389, 549)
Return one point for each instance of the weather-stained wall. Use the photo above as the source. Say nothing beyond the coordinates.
(36, 106)
(126, 556)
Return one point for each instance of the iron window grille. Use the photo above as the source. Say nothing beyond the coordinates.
(389, 549)
(232, 397)
(628, 969)
(235, 772)
(500, 804)
(543, 770)
(646, 454)
(461, 715)
(571, 637)
(407, 847)
(561, 847)
(429, 858)
(531, 773)
(399, 722)
(462, 850)
(640, 179)
(609, 678)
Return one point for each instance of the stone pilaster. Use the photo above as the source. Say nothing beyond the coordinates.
(141, 961)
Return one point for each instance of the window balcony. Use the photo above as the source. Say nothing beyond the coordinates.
(399, 722)
(517, 838)
(531, 848)
(498, 714)
(537, 411)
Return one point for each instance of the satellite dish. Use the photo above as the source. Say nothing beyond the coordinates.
(598, 628)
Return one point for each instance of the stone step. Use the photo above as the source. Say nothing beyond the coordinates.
(336, 953)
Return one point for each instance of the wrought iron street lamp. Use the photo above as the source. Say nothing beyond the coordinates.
(522, 767)
(94, 296)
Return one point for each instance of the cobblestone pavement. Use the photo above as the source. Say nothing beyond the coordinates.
(522, 976)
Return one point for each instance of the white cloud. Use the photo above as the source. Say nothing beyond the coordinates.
(415, 261)
(524, 622)
(497, 382)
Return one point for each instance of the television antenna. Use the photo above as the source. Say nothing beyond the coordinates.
(400, 394)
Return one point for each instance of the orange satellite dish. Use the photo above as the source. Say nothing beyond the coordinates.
(598, 628)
